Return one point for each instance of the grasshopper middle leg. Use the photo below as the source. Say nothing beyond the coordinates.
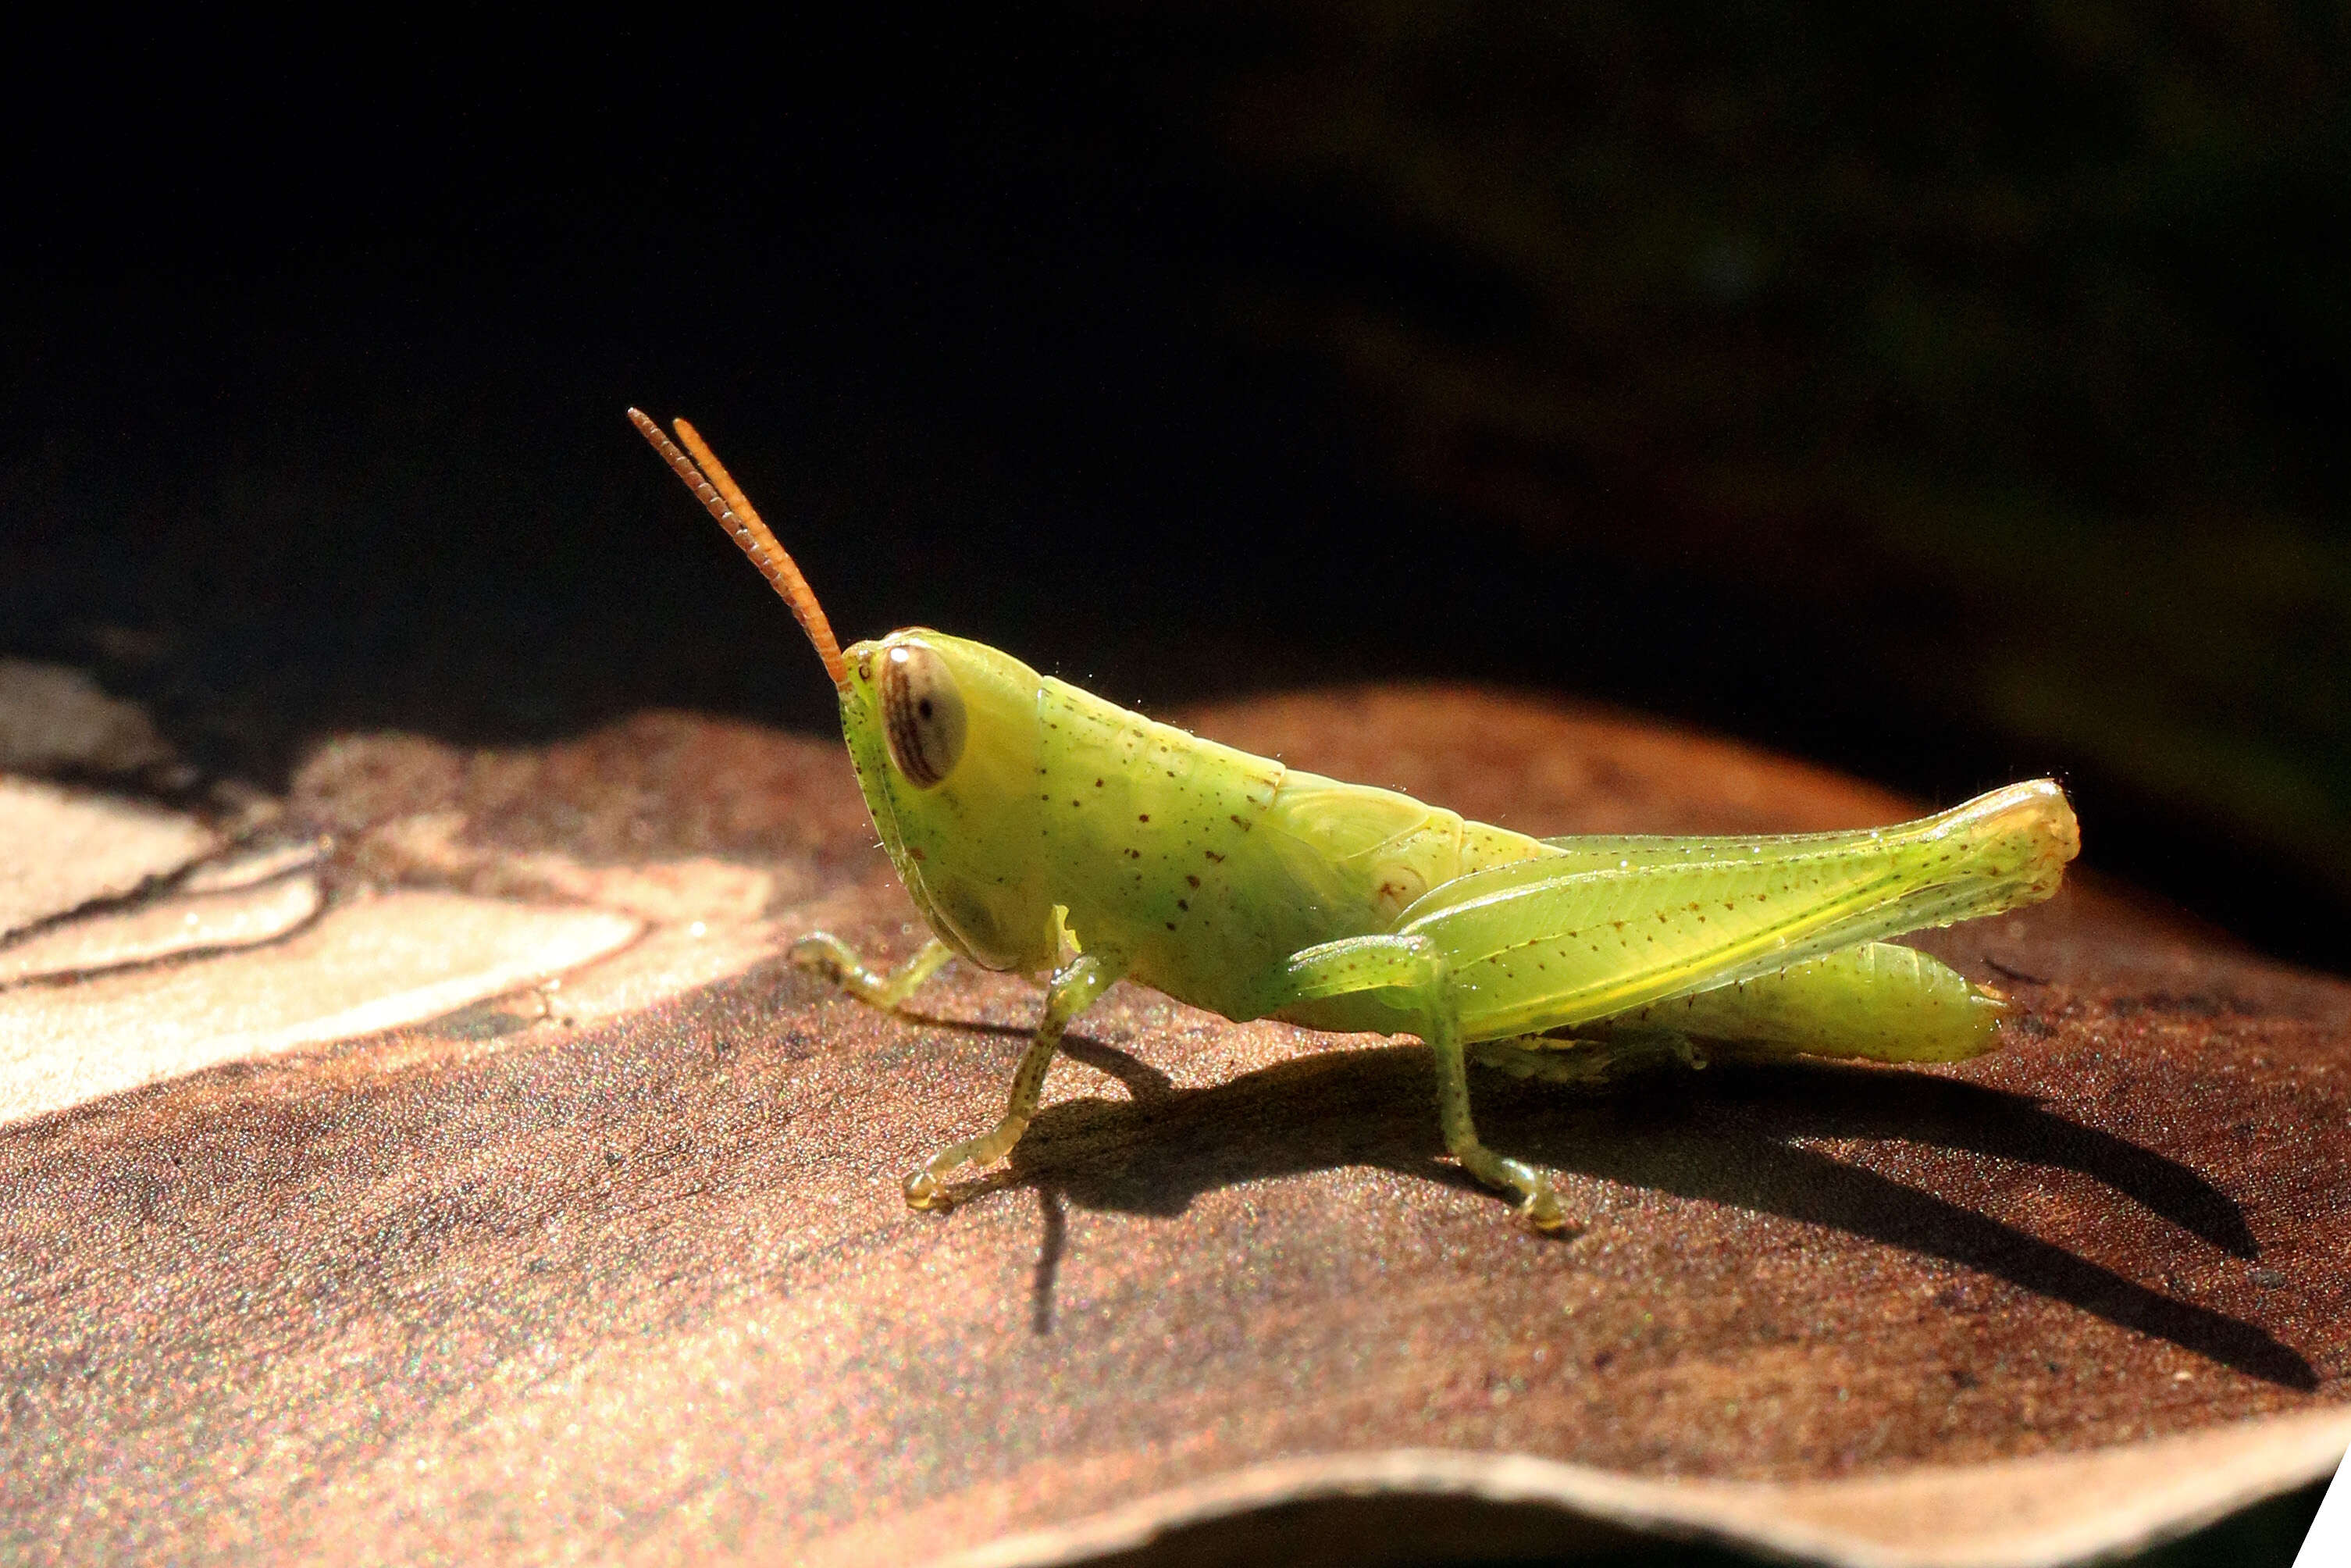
(1411, 973)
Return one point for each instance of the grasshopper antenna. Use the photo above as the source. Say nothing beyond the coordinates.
(725, 500)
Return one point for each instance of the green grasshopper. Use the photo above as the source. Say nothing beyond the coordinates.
(1042, 830)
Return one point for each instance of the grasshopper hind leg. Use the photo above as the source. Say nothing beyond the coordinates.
(1874, 1002)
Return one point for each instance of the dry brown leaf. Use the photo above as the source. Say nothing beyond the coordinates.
(641, 1287)
(62, 848)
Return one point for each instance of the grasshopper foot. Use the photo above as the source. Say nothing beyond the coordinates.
(926, 1185)
(926, 1192)
(1543, 1212)
(821, 953)
(1538, 1206)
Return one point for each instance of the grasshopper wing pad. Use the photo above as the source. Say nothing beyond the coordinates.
(1541, 945)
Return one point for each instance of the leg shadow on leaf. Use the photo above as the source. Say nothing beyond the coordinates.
(1736, 1140)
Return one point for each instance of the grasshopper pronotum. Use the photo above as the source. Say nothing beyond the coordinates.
(1042, 829)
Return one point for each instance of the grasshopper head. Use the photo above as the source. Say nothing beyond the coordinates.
(942, 732)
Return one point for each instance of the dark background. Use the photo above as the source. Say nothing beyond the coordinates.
(1953, 394)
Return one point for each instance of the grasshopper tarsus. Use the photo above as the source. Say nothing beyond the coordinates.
(1543, 1214)
(926, 1193)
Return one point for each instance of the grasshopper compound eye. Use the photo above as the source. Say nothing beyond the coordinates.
(921, 713)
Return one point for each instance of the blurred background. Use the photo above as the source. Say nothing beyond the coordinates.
(1951, 393)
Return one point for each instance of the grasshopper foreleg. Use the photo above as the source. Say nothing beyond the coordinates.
(825, 954)
(1071, 990)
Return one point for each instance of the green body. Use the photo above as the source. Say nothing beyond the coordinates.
(1042, 829)
(1207, 871)
(1205, 868)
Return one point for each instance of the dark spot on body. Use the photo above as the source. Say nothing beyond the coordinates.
(1193, 880)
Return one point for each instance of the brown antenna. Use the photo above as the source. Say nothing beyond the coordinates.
(723, 499)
